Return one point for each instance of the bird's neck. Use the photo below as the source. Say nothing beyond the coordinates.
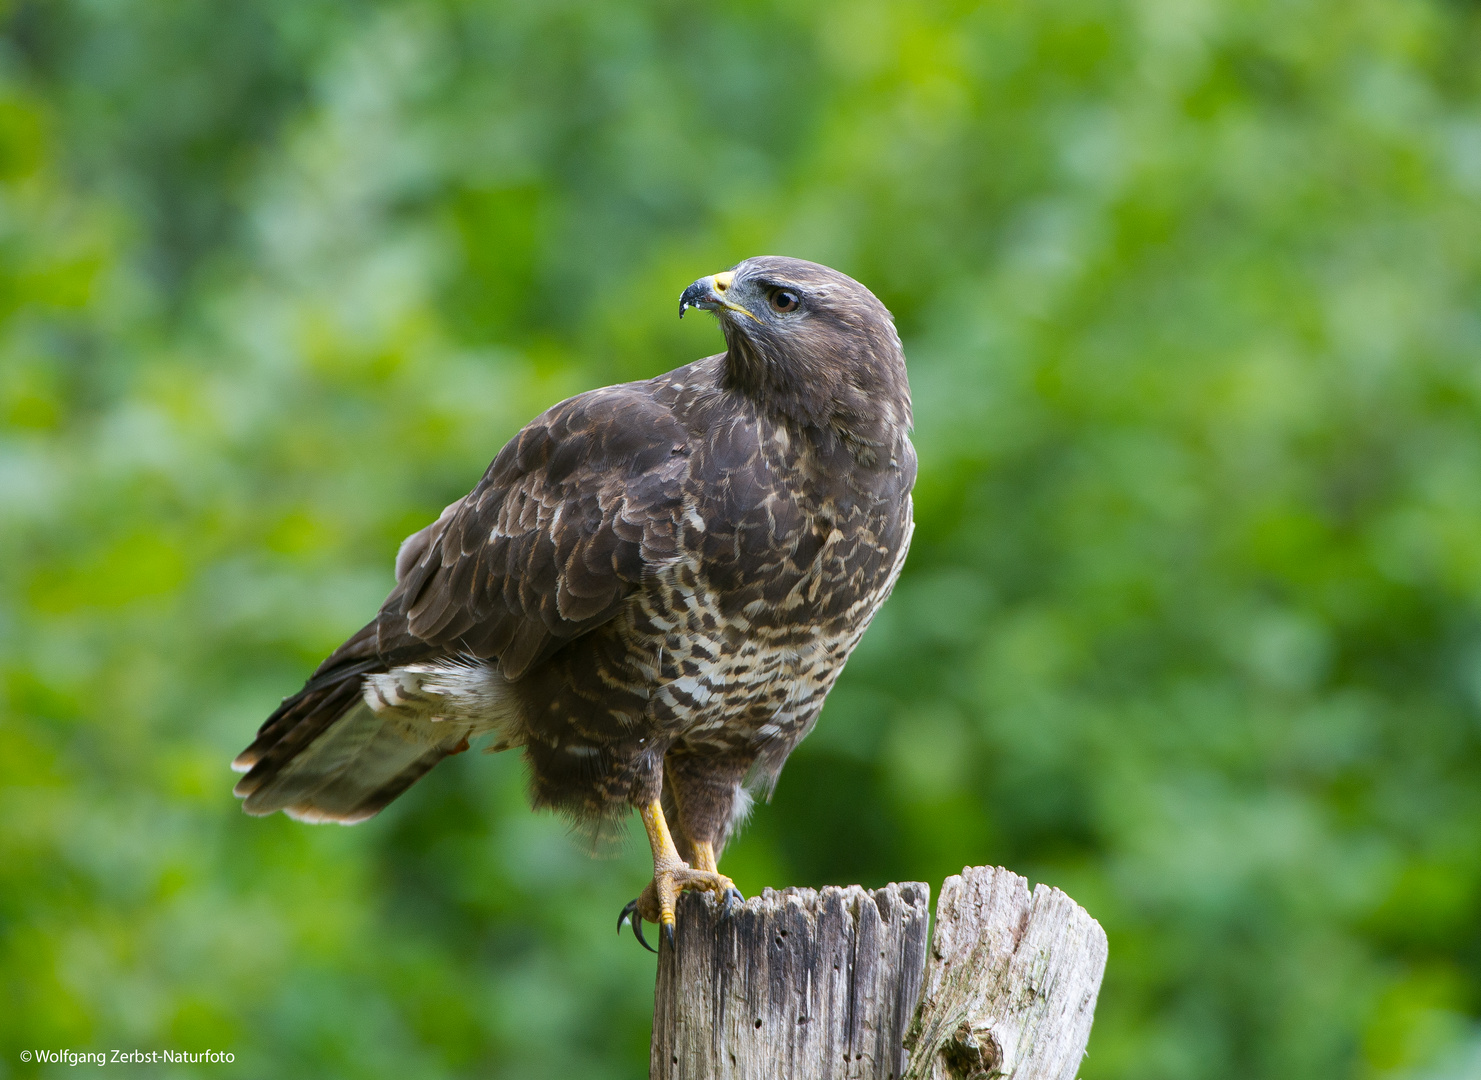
(861, 397)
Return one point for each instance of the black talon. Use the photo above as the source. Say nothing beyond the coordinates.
(668, 934)
(638, 933)
(632, 906)
(733, 901)
(630, 914)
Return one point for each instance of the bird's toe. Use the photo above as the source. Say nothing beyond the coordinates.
(631, 914)
(733, 902)
(658, 900)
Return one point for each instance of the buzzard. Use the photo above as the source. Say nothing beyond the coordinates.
(650, 592)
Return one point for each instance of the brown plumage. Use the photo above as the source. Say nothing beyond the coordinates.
(651, 590)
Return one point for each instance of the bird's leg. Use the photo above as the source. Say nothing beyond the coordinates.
(704, 856)
(671, 876)
(704, 859)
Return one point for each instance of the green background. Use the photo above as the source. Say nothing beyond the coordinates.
(1192, 623)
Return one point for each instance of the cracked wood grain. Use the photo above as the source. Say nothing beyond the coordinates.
(1010, 985)
(800, 984)
(803, 984)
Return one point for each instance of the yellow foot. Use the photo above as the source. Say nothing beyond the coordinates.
(656, 904)
(671, 876)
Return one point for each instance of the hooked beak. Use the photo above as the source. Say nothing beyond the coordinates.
(709, 293)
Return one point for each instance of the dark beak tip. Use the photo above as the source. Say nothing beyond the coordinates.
(694, 296)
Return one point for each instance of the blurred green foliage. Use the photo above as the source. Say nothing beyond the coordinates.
(1191, 291)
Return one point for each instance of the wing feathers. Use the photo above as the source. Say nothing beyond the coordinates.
(564, 526)
(570, 518)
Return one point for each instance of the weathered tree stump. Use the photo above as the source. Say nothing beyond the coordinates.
(802, 985)
(799, 984)
(1012, 982)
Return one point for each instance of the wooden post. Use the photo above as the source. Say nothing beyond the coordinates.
(1012, 982)
(799, 985)
(806, 985)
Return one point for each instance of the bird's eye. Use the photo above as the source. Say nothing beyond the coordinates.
(785, 300)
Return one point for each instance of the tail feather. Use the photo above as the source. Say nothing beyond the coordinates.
(295, 724)
(301, 717)
(327, 756)
(361, 793)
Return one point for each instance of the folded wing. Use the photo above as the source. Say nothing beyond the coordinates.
(572, 517)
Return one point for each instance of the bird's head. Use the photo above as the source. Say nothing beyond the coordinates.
(807, 341)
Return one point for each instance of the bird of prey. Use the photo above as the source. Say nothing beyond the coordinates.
(650, 592)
